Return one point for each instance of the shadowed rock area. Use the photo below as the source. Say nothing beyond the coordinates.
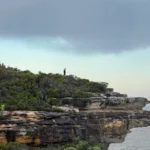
(47, 128)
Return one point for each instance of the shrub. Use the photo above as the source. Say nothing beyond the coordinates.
(23, 90)
(56, 109)
(70, 148)
(13, 146)
(2, 108)
(96, 148)
(53, 101)
(82, 145)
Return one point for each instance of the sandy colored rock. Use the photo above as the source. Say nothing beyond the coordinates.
(53, 128)
(115, 125)
(37, 141)
(32, 115)
(24, 139)
(3, 139)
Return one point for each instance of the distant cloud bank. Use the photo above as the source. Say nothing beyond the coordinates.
(110, 26)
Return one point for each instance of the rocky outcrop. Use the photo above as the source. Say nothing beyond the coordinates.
(113, 101)
(46, 128)
(119, 103)
(106, 119)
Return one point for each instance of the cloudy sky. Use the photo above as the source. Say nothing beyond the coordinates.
(103, 40)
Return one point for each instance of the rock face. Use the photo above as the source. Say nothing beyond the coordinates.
(113, 101)
(46, 128)
(107, 125)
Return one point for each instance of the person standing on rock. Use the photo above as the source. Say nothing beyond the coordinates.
(65, 72)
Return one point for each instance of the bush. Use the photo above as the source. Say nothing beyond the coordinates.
(14, 146)
(56, 109)
(96, 148)
(82, 145)
(2, 108)
(75, 145)
(70, 148)
(24, 90)
(53, 101)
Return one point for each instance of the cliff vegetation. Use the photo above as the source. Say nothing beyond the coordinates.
(24, 90)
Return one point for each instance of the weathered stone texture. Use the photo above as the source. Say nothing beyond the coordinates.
(44, 128)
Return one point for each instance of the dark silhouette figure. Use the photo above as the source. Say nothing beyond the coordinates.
(64, 71)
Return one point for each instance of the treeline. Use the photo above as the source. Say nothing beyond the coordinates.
(24, 90)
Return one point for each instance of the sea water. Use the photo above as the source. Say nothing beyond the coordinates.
(138, 139)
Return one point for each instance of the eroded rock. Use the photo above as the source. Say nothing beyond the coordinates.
(44, 128)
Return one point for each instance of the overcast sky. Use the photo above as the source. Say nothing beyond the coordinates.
(97, 39)
(97, 25)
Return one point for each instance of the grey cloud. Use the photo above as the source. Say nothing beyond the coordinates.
(96, 25)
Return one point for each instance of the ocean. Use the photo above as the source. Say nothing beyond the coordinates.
(138, 139)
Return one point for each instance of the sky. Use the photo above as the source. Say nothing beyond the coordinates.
(102, 40)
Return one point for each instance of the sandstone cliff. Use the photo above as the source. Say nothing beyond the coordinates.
(46, 128)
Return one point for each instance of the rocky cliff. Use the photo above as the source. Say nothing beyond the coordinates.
(114, 101)
(46, 128)
(89, 110)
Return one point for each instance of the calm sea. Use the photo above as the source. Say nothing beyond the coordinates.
(138, 139)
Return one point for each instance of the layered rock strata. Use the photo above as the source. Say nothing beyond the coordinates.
(47, 128)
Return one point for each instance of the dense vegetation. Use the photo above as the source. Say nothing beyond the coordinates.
(75, 145)
(23, 90)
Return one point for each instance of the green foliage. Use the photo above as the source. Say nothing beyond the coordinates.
(13, 146)
(56, 109)
(23, 90)
(2, 108)
(70, 148)
(53, 101)
(82, 145)
(95, 148)
(75, 145)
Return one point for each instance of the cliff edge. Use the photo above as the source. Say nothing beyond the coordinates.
(50, 128)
